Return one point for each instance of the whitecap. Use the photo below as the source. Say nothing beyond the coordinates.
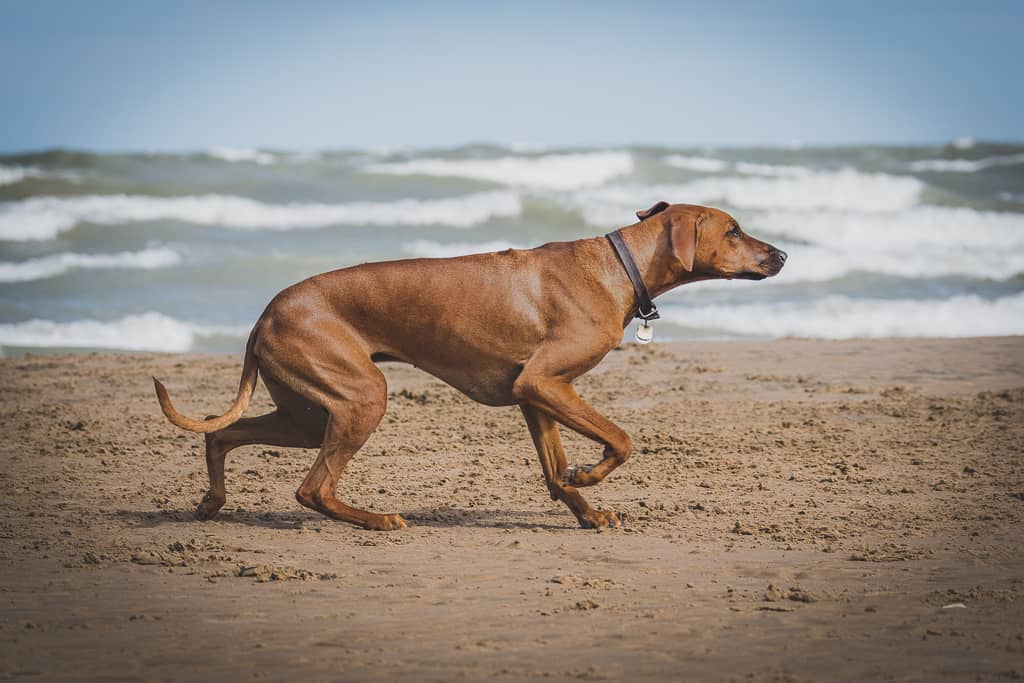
(818, 264)
(965, 165)
(701, 164)
(940, 227)
(547, 172)
(527, 147)
(53, 265)
(146, 332)
(239, 155)
(840, 317)
(780, 170)
(712, 165)
(10, 175)
(845, 190)
(814, 263)
(43, 218)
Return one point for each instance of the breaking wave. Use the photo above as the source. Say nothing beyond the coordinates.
(712, 165)
(935, 227)
(965, 165)
(701, 164)
(57, 264)
(43, 218)
(145, 332)
(547, 172)
(839, 317)
(15, 174)
(840, 190)
(783, 170)
(237, 155)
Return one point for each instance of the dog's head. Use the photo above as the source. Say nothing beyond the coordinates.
(709, 242)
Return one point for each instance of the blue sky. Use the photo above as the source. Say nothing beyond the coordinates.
(189, 75)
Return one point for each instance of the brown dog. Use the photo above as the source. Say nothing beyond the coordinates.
(508, 328)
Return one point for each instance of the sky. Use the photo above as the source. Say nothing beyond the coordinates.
(146, 75)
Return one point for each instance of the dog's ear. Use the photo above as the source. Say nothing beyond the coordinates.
(657, 208)
(683, 234)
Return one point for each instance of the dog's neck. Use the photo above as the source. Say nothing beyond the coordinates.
(649, 244)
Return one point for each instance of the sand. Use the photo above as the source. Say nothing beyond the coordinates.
(795, 510)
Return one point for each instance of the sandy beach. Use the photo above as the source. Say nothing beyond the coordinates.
(794, 510)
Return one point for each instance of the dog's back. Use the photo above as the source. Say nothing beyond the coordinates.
(472, 321)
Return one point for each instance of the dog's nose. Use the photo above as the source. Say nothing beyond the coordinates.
(781, 255)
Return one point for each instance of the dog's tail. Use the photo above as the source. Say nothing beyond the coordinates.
(245, 388)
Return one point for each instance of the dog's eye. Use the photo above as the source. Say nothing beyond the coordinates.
(734, 231)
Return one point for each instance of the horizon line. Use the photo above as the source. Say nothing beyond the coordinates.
(965, 142)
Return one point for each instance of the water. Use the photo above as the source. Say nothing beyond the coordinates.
(180, 252)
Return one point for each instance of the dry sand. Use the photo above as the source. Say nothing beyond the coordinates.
(795, 510)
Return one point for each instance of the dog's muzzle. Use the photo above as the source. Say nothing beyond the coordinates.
(770, 266)
(773, 264)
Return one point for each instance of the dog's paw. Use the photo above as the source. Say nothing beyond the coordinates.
(386, 523)
(209, 506)
(600, 519)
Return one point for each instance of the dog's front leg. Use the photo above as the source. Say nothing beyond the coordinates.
(552, 460)
(558, 399)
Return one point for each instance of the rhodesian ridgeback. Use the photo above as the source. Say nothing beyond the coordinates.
(508, 328)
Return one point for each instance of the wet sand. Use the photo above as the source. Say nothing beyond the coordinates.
(794, 510)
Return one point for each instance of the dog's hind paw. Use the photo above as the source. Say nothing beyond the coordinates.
(599, 519)
(386, 523)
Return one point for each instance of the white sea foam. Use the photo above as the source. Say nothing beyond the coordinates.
(238, 155)
(527, 147)
(15, 174)
(702, 164)
(145, 332)
(547, 172)
(839, 317)
(940, 227)
(10, 175)
(58, 264)
(965, 165)
(811, 263)
(885, 234)
(432, 249)
(847, 191)
(712, 165)
(818, 264)
(43, 218)
(926, 242)
(780, 170)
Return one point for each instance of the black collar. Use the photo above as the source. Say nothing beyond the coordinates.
(646, 310)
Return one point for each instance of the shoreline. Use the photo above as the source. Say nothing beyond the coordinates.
(15, 352)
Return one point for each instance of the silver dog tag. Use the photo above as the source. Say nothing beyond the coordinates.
(644, 332)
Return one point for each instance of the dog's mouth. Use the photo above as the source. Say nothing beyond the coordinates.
(769, 267)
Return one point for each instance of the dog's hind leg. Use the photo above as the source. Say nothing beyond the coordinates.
(326, 362)
(350, 424)
(297, 423)
(552, 459)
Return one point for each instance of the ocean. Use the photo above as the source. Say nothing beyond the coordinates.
(181, 252)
